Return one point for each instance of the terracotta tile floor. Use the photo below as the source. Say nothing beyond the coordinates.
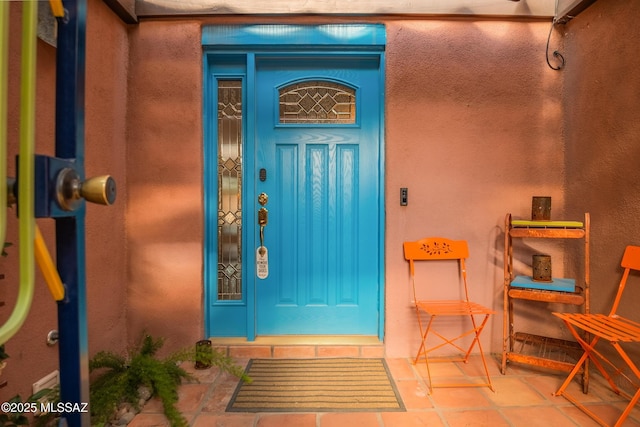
(522, 397)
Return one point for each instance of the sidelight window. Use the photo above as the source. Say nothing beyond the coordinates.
(229, 190)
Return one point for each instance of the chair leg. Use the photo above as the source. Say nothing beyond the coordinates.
(484, 362)
(424, 351)
(586, 355)
(451, 342)
(422, 347)
(633, 400)
(634, 368)
(636, 372)
(590, 353)
(477, 332)
(627, 411)
(586, 410)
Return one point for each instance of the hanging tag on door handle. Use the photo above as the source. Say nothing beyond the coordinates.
(262, 262)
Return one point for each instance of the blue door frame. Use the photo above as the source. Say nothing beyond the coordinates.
(230, 52)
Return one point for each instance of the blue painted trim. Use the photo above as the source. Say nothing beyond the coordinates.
(217, 68)
(381, 207)
(210, 250)
(70, 244)
(370, 36)
(249, 213)
(335, 40)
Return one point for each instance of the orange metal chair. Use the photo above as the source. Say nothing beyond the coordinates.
(442, 249)
(612, 328)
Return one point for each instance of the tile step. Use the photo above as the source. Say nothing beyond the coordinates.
(301, 347)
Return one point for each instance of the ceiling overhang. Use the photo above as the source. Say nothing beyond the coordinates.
(131, 10)
(527, 8)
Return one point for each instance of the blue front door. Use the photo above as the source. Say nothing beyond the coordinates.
(318, 159)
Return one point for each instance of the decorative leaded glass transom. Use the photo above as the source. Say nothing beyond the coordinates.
(317, 101)
(230, 190)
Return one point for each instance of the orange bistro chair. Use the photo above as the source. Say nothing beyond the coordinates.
(429, 310)
(612, 328)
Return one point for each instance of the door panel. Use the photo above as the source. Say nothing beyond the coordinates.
(323, 186)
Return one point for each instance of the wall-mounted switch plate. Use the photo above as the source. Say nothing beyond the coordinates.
(404, 196)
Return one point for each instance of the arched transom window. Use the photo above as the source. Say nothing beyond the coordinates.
(317, 101)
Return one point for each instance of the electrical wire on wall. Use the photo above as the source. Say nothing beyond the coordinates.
(556, 54)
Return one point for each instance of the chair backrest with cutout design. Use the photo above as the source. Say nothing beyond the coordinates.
(434, 249)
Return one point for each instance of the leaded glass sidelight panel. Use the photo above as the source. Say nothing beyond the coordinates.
(317, 101)
(229, 190)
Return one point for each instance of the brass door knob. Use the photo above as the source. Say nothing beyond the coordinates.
(99, 189)
(70, 190)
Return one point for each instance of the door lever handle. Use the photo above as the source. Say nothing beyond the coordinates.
(263, 219)
(262, 260)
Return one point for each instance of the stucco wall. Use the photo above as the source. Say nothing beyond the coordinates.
(475, 126)
(106, 150)
(473, 129)
(30, 357)
(165, 198)
(601, 103)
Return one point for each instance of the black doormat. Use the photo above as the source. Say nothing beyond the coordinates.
(316, 385)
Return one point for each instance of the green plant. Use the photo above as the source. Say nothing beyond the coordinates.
(122, 376)
(3, 354)
(15, 419)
